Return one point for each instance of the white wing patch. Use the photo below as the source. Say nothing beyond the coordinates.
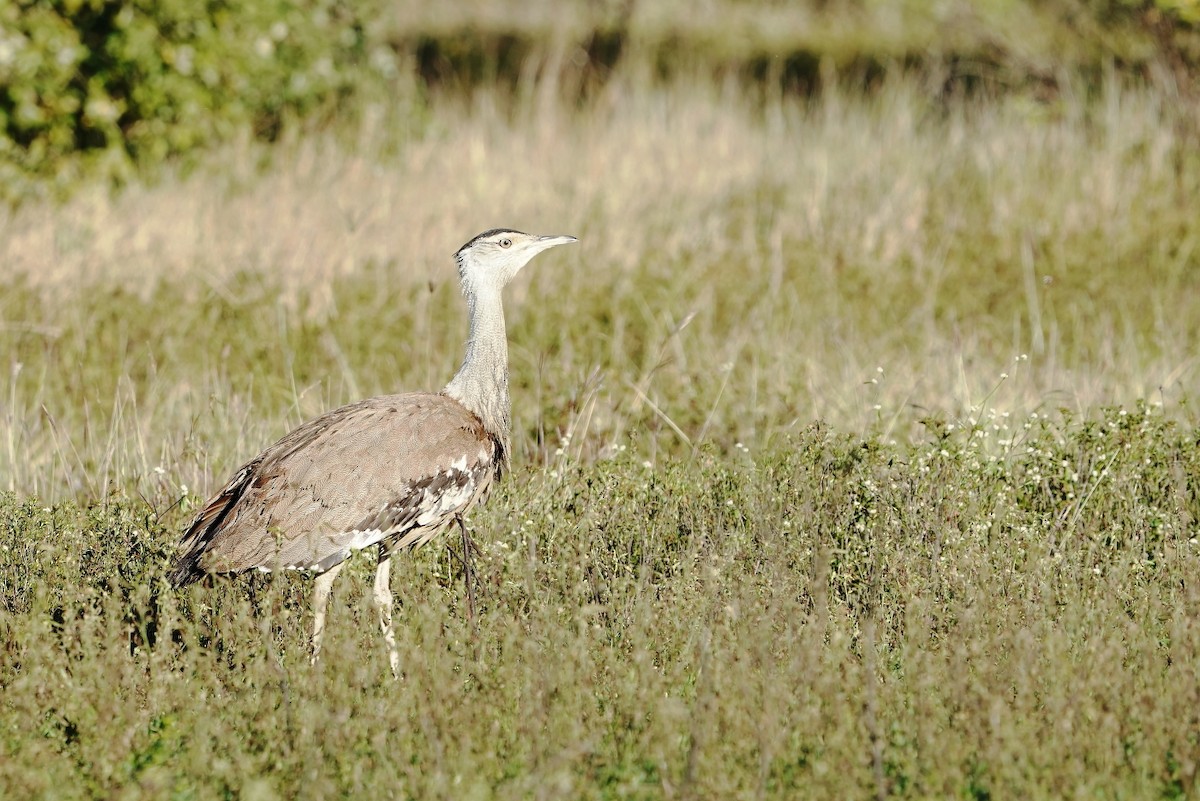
(358, 538)
(435, 506)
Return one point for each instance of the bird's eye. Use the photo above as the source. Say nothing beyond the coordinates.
(506, 243)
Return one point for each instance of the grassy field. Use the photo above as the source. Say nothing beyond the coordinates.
(854, 454)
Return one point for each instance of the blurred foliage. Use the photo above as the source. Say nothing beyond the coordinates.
(108, 85)
(124, 82)
(1187, 11)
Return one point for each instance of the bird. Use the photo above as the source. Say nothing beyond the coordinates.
(389, 472)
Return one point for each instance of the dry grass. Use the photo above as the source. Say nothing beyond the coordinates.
(745, 269)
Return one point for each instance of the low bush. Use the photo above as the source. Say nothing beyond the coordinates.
(117, 83)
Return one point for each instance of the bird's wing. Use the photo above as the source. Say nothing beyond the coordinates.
(345, 480)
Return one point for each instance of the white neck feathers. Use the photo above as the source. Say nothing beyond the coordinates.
(481, 384)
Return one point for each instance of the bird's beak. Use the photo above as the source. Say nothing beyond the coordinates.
(551, 241)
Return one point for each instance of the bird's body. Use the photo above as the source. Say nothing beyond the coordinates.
(390, 471)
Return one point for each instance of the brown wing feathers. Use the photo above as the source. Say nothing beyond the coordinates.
(392, 469)
(187, 566)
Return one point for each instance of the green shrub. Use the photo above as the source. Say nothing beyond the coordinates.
(135, 81)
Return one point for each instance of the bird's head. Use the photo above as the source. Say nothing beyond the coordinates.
(492, 258)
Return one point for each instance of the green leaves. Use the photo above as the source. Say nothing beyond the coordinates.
(84, 81)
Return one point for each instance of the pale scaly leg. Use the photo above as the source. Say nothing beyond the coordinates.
(383, 605)
(322, 585)
(469, 548)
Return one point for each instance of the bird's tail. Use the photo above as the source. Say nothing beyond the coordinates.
(186, 569)
(204, 526)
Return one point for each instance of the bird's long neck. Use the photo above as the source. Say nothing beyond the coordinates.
(481, 384)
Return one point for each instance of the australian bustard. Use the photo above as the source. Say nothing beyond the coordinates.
(389, 472)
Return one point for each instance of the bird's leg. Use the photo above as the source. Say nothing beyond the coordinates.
(383, 605)
(322, 586)
(475, 549)
(468, 571)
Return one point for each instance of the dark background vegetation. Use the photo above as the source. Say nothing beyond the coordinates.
(120, 85)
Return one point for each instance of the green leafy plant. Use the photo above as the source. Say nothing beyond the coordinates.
(125, 82)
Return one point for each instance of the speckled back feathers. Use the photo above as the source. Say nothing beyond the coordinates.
(390, 470)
